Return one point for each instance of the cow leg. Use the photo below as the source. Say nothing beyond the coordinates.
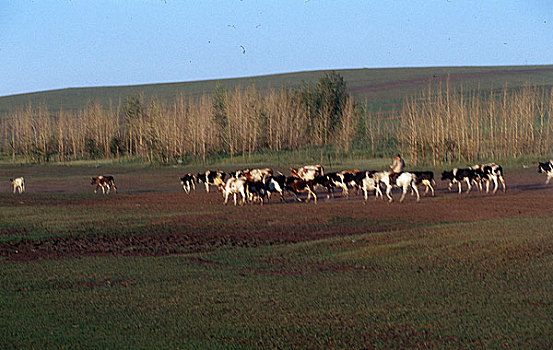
(206, 187)
(311, 192)
(468, 185)
(495, 184)
(416, 189)
(378, 192)
(503, 183)
(549, 177)
(460, 189)
(226, 197)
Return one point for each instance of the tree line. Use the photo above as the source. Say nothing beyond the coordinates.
(437, 126)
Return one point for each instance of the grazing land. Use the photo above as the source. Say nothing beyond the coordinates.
(152, 267)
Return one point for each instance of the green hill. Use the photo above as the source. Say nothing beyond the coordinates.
(377, 86)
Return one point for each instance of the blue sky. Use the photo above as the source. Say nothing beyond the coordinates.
(74, 43)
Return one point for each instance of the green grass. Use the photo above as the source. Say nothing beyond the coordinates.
(472, 285)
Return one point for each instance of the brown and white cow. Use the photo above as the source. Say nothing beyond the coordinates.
(18, 184)
(307, 172)
(212, 177)
(104, 182)
(297, 186)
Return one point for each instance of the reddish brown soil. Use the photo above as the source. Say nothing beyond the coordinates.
(205, 224)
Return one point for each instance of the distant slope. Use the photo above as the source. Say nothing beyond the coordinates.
(377, 86)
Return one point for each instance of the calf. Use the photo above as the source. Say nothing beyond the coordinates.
(188, 182)
(297, 186)
(545, 168)
(460, 175)
(212, 177)
(307, 172)
(425, 178)
(234, 186)
(18, 184)
(104, 182)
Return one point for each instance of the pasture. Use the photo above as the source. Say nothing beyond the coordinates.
(151, 267)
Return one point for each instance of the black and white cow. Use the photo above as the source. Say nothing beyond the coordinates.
(489, 173)
(425, 178)
(274, 184)
(212, 177)
(458, 176)
(188, 182)
(547, 169)
(370, 183)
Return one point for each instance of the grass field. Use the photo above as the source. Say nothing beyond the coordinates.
(151, 267)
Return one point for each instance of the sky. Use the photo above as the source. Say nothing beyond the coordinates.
(46, 45)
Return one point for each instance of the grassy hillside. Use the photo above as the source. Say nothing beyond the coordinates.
(377, 86)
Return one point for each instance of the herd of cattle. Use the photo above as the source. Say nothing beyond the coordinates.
(258, 185)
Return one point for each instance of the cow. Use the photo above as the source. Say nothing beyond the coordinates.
(489, 173)
(188, 182)
(257, 174)
(345, 178)
(104, 182)
(274, 184)
(18, 184)
(544, 168)
(212, 177)
(425, 178)
(369, 183)
(458, 176)
(328, 181)
(234, 186)
(297, 186)
(255, 190)
(404, 180)
(307, 172)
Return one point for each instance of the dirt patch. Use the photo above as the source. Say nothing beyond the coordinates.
(205, 224)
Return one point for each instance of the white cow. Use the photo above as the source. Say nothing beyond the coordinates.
(369, 184)
(18, 184)
(235, 186)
